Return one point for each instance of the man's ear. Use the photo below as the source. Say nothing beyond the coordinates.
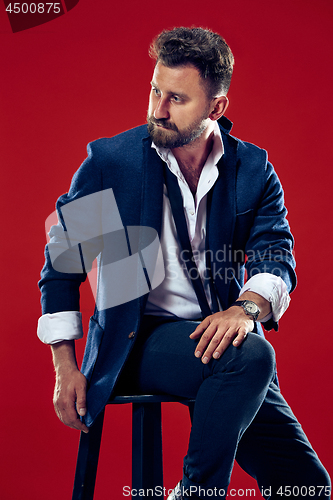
(219, 105)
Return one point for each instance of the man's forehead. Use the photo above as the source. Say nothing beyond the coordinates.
(179, 79)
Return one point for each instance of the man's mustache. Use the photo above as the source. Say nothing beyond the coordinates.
(163, 123)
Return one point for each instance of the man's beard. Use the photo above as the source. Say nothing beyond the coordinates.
(173, 137)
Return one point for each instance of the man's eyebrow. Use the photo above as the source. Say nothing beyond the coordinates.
(180, 94)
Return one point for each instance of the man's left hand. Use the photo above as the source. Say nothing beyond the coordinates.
(219, 330)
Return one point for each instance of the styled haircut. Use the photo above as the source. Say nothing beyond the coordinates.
(202, 48)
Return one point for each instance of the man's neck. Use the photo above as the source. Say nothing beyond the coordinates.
(192, 157)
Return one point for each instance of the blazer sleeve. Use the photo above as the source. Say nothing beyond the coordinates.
(270, 244)
(70, 251)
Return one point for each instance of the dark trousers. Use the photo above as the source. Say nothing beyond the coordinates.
(239, 413)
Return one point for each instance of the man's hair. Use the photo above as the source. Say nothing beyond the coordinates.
(202, 48)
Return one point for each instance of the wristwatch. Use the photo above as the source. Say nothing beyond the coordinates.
(250, 308)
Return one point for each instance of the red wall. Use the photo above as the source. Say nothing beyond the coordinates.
(86, 75)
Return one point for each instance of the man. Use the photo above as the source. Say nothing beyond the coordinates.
(215, 203)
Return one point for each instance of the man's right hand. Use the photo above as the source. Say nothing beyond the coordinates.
(69, 398)
(71, 385)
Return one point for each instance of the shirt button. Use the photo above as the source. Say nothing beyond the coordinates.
(131, 335)
(191, 212)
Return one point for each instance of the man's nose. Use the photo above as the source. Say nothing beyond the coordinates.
(161, 110)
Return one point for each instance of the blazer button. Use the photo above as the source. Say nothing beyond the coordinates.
(131, 335)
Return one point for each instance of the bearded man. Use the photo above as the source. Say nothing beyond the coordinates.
(217, 206)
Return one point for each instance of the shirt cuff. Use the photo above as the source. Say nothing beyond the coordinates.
(65, 325)
(273, 289)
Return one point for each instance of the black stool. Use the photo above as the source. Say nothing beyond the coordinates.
(147, 467)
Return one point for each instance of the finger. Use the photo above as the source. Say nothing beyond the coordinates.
(241, 336)
(75, 423)
(81, 405)
(206, 339)
(69, 417)
(218, 345)
(81, 427)
(81, 408)
(73, 420)
(200, 328)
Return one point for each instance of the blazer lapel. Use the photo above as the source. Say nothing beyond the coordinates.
(221, 215)
(151, 198)
(152, 188)
(221, 219)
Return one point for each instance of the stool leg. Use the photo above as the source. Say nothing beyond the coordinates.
(147, 463)
(87, 461)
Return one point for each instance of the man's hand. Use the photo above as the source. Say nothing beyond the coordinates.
(70, 389)
(70, 398)
(219, 330)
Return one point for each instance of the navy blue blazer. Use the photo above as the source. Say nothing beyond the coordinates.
(246, 219)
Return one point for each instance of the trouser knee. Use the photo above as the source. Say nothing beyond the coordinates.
(257, 358)
(253, 362)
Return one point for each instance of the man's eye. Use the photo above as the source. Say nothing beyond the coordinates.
(175, 98)
(156, 91)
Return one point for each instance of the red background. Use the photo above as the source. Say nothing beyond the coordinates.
(86, 75)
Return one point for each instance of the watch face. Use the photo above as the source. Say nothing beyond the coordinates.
(251, 307)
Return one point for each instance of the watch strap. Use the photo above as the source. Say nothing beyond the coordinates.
(242, 303)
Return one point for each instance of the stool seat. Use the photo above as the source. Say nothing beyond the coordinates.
(148, 398)
(147, 459)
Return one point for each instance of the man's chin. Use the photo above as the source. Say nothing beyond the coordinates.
(162, 137)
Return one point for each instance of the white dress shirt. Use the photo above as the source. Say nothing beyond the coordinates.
(176, 295)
